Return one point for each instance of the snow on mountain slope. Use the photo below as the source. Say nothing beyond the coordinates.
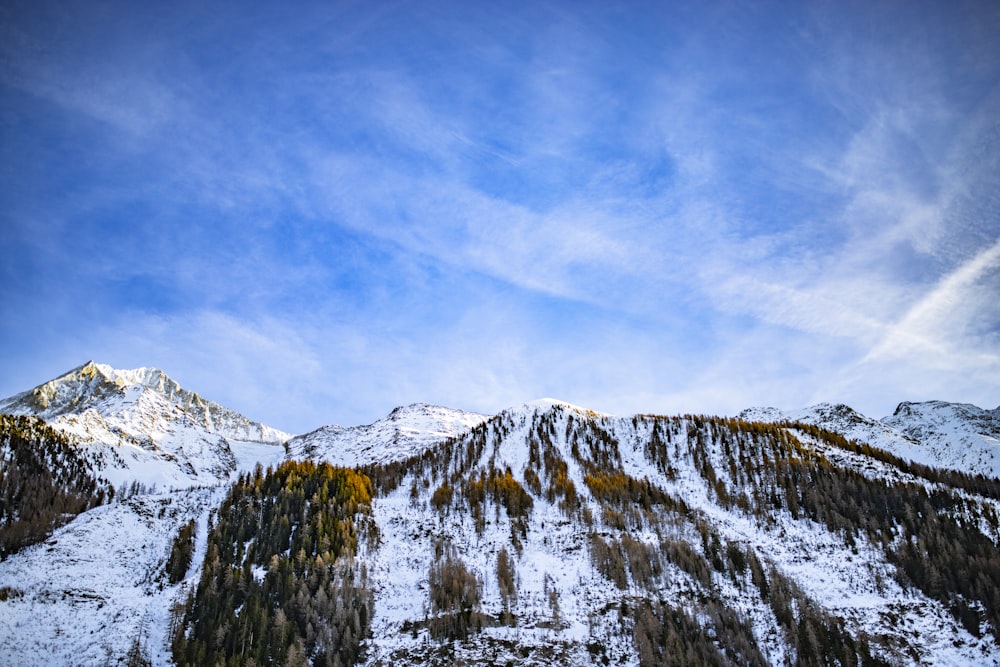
(101, 387)
(139, 426)
(568, 611)
(604, 519)
(952, 436)
(853, 425)
(98, 584)
(956, 435)
(405, 432)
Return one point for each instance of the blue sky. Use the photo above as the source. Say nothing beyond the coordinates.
(313, 212)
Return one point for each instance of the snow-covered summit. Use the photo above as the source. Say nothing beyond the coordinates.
(406, 431)
(141, 426)
(762, 414)
(108, 390)
(546, 404)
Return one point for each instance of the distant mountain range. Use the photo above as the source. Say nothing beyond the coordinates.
(956, 436)
(546, 534)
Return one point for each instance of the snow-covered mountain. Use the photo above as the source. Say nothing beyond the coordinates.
(953, 436)
(139, 426)
(406, 432)
(100, 387)
(956, 435)
(547, 534)
(617, 503)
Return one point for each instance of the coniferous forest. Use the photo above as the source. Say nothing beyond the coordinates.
(282, 570)
(927, 523)
(280, 585)
(44, 482)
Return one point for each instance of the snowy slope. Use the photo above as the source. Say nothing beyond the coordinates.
(139, 426)
(853, 425)
(952, 436)
(955, 435)
(853, 583)
(407, 431)
(97, 585)
(101, 387)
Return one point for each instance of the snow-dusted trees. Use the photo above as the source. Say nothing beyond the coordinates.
(924, 529)
(455, 594)
(609, 560)
(507, 581)
(666, 636)
(137, 655)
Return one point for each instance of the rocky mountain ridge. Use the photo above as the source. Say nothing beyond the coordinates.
(99, 386)
(954, 436)
(546, 534)
(141, 427)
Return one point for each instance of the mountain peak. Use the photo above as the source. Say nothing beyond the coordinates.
(403, 411)
(839, 413)
(406, 431)
(64, 394)
(100, 387)
(958, 435)
(546, 404)
(765, 414)
(909, 408)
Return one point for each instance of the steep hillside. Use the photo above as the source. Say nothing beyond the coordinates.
(98, 587)
(279, 582)
(44, 482)
(628, 541)
(545, 535)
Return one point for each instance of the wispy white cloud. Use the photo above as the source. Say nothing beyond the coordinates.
(685, 212)
(936, 324)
